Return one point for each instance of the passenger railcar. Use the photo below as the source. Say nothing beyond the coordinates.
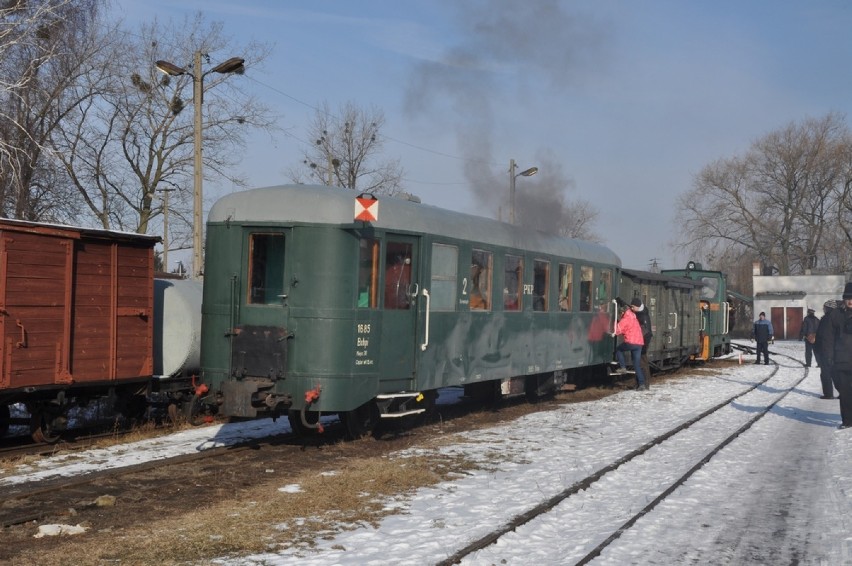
(716, 311)
(76, 310)
(674, 308)
(307, 310)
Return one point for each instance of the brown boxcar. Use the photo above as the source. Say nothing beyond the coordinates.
(76, 319)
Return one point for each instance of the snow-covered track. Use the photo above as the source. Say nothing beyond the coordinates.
(774, 386)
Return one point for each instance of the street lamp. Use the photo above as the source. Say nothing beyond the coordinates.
(166, 192)
(232, 65)
(512, 176)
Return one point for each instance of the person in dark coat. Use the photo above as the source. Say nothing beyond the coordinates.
(825, 374)
(808, 334)
(644, 319)
(762, 334)
(838, 336)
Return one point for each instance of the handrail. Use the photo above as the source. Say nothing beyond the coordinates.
(425, 344)
(614, 316)
(726, 321)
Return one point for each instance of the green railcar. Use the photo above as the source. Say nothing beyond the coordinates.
(308, 311)
(715, 337)
(676, 318)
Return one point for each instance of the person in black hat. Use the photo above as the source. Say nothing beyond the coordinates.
(808, 334)
(762, 334)
(838, 349)
(644, 319)
(826, 376)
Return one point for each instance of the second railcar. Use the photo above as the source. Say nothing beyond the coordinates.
(673, 305)
(307, 310)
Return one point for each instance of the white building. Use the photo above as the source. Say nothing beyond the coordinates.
(786, 298)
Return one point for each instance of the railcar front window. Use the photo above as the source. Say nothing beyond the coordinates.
(541, 284)
(566, 277)
(512, 278)
(368, 274)
(480, 280)
(266, 269)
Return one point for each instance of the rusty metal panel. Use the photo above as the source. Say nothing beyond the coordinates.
(75, 306)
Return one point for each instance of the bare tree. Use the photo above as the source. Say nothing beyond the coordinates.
(135, 137)
(778, 203)
(343, 152)
(45, 47)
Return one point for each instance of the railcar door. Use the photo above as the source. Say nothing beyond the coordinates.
(399, 316)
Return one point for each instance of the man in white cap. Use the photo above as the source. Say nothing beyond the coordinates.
(838, 336)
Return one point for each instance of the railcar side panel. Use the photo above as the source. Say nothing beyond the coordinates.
(76, 308)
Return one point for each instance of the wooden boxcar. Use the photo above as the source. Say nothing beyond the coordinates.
(673, 304)
(75, 318)
(715, 309)
(308, 310)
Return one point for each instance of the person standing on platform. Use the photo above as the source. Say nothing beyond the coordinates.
(808, 334)
(822, 356)
(762, 334)
(838, 336)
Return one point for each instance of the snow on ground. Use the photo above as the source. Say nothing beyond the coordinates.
(779, 493)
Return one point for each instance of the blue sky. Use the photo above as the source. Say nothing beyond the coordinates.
(625, 102)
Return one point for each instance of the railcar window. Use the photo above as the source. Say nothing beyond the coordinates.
(512, 281)
(605, 289)
(445, 266)
(397, 275)
(368, 273)
(541, 284)
(480, 280)
(710, 289)
(566, 279)
(266, 268)
(586, 274)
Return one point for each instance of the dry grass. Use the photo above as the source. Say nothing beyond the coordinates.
(265, 517)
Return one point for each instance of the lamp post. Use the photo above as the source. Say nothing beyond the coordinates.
(166, 225)
(232, 65)
(512, 176)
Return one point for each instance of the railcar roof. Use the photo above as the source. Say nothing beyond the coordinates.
(329, 205)
(669, 280)
(66, 230)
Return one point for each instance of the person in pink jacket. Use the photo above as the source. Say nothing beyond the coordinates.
(629, 328)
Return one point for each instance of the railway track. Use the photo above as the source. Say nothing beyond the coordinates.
(713, 427)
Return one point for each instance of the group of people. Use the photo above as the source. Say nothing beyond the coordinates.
(829, 340)
(635, 327)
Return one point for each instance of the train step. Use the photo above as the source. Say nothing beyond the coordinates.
(396, 405)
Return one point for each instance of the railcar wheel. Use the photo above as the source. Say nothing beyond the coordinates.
(4, 419)
(193, 410)
(361, 421)
(43, 426)
(298, 427)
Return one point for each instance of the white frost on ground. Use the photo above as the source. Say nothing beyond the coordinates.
(781, 492)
